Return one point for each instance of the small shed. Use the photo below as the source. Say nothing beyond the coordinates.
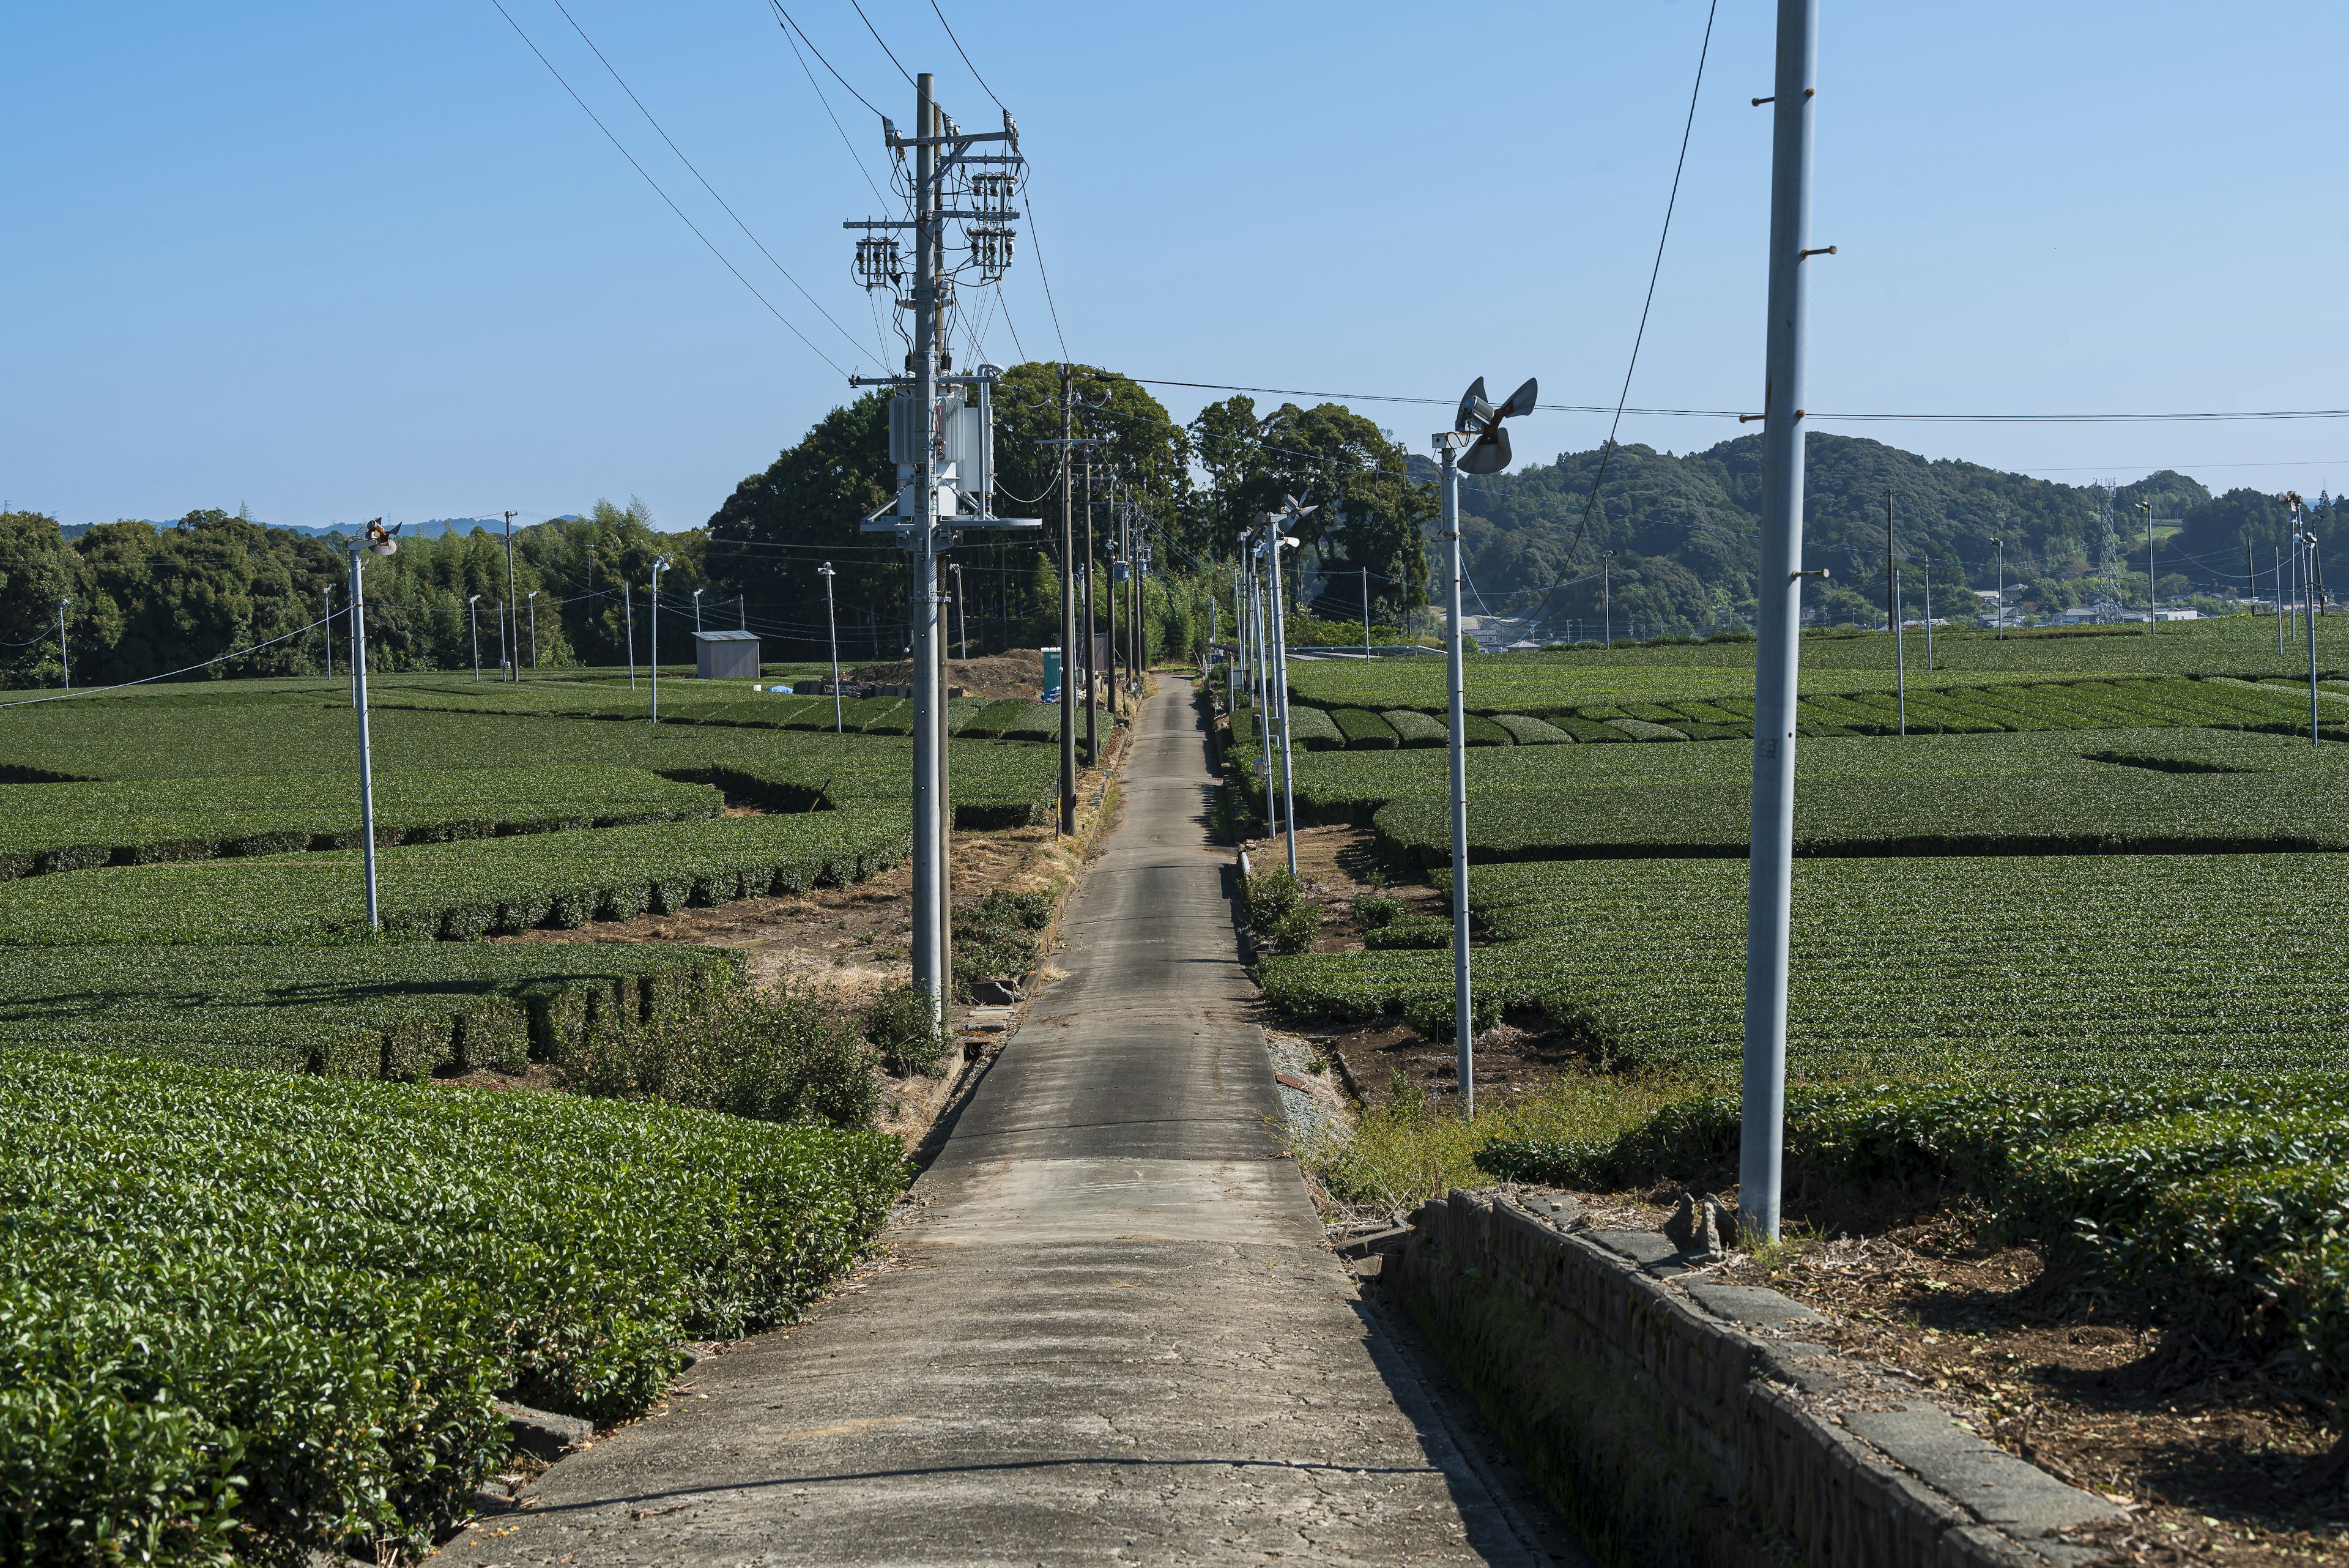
(726, 655)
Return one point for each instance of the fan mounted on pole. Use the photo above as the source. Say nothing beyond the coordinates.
(1490, 452)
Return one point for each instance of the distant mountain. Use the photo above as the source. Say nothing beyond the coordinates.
(1683, 532)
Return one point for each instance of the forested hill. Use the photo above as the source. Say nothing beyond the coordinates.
(1685, 530)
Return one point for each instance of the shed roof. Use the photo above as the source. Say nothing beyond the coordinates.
(727, 636)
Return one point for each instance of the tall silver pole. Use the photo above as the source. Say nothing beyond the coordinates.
(1929, 613)
(473, 628)
(64, 661)
(511, 608)
(1366, 615)
(2277, 577)
(2002, 590)
(928, 945)
(832, 630)
(1281, 690)
(326, 626)
(628, 614)
(1463, 1008)
(1264, 695)
(367, 756)
(1769, 906)
(652, 659)
(534, 634)
(1900, 653)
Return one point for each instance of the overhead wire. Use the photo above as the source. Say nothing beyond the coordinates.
(791, 23)
(664, 195)
(883, 42)
(698, 175)
(966, 58)
(1029, 208)
(856, 157)
(1671, 202)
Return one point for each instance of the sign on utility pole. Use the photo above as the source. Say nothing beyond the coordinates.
(943, 444)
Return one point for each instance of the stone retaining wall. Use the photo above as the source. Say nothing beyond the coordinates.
(1677, 1421)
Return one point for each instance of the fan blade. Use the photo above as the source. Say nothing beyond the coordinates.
(1521, 401)
(1474, 409)
(1490, 454)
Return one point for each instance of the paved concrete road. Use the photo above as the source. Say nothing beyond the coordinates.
(1113, 1333)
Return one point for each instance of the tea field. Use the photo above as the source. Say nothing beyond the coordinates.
(266, 1278)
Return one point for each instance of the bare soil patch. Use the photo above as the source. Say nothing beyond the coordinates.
(1388, 1058)
(1017, 673)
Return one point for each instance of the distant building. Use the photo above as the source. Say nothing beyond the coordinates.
(726, 655)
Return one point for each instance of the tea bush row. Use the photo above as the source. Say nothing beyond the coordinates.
(456, 891)
(251, 1316)
(67, 827)
(2067, 968)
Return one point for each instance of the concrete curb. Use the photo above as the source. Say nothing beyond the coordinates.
(1675, 1419)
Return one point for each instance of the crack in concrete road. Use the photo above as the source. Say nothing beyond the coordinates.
(1122, 1338)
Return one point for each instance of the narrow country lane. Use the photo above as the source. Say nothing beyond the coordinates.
(1111, 1332)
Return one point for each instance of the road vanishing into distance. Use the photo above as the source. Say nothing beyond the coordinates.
(1109, 1330)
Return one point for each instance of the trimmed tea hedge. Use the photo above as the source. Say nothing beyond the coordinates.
(2089, 810)
(1414, 729)
(457, 890)
(2065, 968)
(245, 1303)
(1365, 731)
(392, 1010)
(67, 827)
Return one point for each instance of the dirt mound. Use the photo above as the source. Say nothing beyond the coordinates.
(1019, 673)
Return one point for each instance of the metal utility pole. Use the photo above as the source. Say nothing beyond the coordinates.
(512, 607)
(2001, 590)
(696, 611)
(1770, 880)
(1605, 595)
(661, 565)
(1892, 614)
(326, 626)
(1091, 655)
(1274, 541)
(473, 626)
(1928, 614)
(533, 633)
(832, 630)
(628, 613)
(2278, 580)
(1900, 653)
(1366, 615)
(2145, 514)
(2303, 540)
(1068, 611)
(962, 611)
(65, 661)
(925, 434)
(1260, 656)
(358, 700)
(1463, 1009)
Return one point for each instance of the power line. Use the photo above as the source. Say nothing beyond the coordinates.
(821, 99)
(664, 195)
(706, 185)
(882, 42)
(791, 25)
(1029, 207)
(1607, 450)
(1732, 413)
(966, 58)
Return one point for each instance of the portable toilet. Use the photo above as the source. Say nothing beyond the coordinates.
(1052, 674)
(726, 655)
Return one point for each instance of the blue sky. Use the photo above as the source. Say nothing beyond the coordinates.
(336, 261)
